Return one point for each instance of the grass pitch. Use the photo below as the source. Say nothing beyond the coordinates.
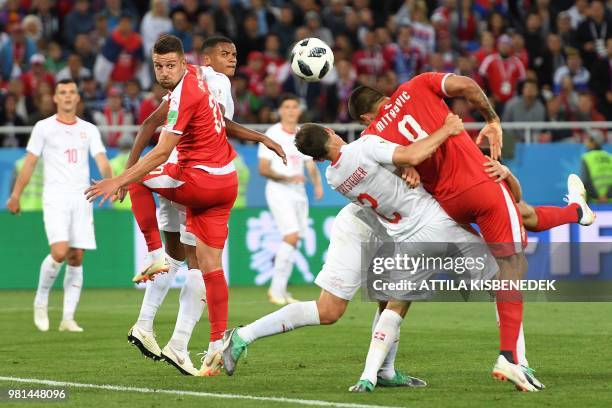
(450, 345)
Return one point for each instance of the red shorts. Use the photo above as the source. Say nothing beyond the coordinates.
(207, 197)
(492, 207)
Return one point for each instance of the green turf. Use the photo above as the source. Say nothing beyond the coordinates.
(451, 345)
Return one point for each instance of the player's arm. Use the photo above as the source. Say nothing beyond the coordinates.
(103, 165)
(315, 178)
(417, 152)
(243, 133)
(457, 85)
(21, 182)
(499, 172)
(159, 154)
(146, 131)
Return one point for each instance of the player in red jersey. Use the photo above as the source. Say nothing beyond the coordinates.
(204, 179)
(454, 176)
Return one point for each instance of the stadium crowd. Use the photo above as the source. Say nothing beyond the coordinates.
(539, 60)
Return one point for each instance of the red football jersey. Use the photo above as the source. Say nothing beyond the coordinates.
(195, 115)
(415, 111)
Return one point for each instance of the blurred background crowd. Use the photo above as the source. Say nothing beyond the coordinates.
(539, 60)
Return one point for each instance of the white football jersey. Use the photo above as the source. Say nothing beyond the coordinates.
(295, 159)
(221, 89)
(365, 174)
(65, 149)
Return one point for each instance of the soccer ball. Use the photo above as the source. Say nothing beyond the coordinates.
(311, 59)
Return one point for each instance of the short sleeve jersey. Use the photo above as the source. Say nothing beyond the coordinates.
(416, 110)
(194, 114)
(65, 149)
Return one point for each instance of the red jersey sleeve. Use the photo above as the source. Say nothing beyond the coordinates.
(433, 81)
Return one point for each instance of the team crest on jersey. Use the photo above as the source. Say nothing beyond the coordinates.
(83, 135)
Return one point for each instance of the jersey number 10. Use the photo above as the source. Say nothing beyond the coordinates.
(417, 131)
(71, 155)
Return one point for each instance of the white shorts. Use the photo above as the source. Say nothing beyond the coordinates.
(172, 219)
(341, 273)
(289, 210)
(69, 218)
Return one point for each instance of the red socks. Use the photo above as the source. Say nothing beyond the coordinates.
(510, 310)
(143, 207)
(550, 217)
(217, 298)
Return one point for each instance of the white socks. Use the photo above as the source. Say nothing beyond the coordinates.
(192, 301)
(283, 265)
(289, 317)
(521, 349)
(155, 293)
(385, 334)
(73, 282)
(48, 272)
(387, 371)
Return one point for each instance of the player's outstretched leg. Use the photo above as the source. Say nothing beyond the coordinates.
(576, 193)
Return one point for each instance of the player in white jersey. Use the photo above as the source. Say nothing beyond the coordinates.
(65, 142)
(286, 194)
(219, 57)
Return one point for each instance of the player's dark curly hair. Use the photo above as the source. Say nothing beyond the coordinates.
(168, 43)
(311, 140)
(362, 100)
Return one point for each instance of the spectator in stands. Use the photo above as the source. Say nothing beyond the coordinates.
(150, 102)
(352, 28)
(100, 32)
(10, 117)
(446, 51)
(74, 70)
(269, 101)
(534, 38)
(313, 22)
(273, 59)
(285, 28)
(565, 31)
(586, 111)
(49, 18)
(113, 13)
(464, 26)
(85, 50)
(114, 115)
(555, 112)
(11, 12)
(423, 34)
(249, 38)
(369, 61)
(79, 21)
(55, 59)
(596, 169)
(407, 59)
(465, 67)
(24, 105)
(526, 107)
(578, 13)
(92, 97)
(333, 16)
(32, 28)
(502, 71)
(255, 70)
(225, 19)
(579, 75)
(181, 28)
(132, 97)
(205, 25)
(461, 108)
(496, 24)
(121, 56)
(155, 23)
(343, 48)
(487, 47)
(44, 108)
(592, 33)
(343, 87)
(546, 20)
(265, 17)
(192, 9)
(246, 103)
(16, 53)
(35, 75)
(552, 59)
